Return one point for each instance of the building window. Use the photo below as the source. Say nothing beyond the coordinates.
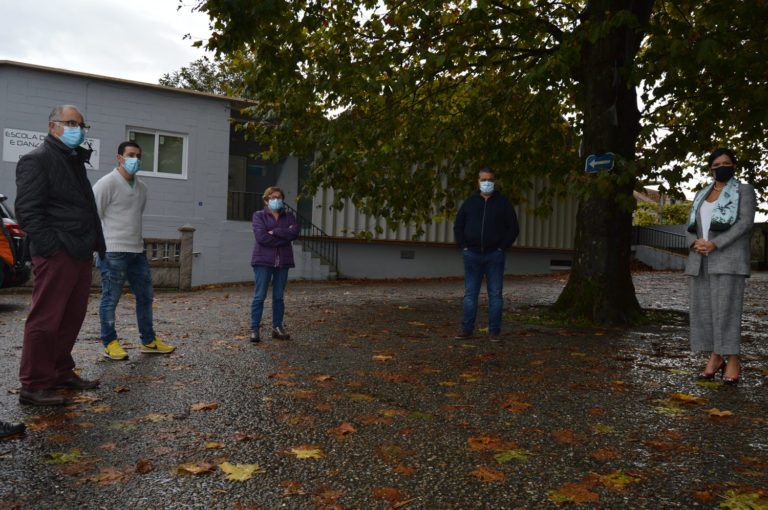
(163, 154)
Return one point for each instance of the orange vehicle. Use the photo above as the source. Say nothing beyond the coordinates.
(15, 267)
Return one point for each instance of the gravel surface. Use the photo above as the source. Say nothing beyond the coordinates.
(397, 412)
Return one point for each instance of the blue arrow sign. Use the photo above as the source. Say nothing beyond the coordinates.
(601, 162)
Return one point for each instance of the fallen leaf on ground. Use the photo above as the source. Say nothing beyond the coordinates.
(240, 472)
(486, 474)
(516, 454)
(343, 429)
(193, 468)
(389, 494)
(306, 452)
(567, 436)
(214, 445)
(110, 475)
(688, 399)
(292, 487)
(72, 455)
(202, 405)
(78, 468)
(617, 480)
(605, 454)
(402, 469)
(716, 412)
(144, 466)
(744, 501)
(575, 492)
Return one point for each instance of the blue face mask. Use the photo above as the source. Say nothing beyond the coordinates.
(132, 165)
(486, 187)
(275, 204)
(72, 136)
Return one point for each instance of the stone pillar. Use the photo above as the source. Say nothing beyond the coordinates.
(187, 235)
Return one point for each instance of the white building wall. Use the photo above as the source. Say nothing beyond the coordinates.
(553, 233)
(223, 248)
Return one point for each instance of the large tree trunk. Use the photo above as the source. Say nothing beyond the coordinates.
(600, 285)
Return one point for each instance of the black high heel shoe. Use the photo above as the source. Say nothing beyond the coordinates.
(710, 376)
(731, 381)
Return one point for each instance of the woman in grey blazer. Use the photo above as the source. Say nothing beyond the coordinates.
(718, 233)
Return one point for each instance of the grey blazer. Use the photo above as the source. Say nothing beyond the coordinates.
(732, 254)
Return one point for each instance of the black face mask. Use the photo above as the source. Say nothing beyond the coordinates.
(724, 173)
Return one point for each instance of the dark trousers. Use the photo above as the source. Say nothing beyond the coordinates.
(59, 303)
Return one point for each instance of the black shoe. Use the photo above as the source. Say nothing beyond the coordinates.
(279, 333)
(42, 398)
(11, 429)
(76, 383)
(710, 376)
(494, 337)
(255, 336)
(464, 335)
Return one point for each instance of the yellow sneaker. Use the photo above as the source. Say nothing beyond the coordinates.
(113, 350)
(157, 347)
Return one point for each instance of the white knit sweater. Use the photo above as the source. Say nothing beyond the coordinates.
(120, 208)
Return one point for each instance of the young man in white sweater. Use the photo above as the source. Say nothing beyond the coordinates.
(120, 200)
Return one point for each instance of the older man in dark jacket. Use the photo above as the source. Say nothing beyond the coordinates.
(485, 227)
(56, 208)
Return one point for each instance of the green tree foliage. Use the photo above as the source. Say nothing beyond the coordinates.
(646, 215)
(403, 101)
(203, 75)
(673, 214)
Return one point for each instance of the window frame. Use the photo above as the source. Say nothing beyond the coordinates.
(157, 133)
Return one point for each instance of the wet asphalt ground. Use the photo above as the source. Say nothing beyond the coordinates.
(373, 404)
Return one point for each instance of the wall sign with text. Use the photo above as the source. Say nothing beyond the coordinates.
(17, 142)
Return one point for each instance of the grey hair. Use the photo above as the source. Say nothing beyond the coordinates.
(58, 109)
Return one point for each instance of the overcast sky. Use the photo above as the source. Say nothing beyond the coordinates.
(136, 40)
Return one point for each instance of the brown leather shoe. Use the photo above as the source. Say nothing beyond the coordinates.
(42, 398)
(76, 383)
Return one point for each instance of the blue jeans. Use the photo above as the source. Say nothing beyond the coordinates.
(475, 266)
(261, 277)
(115, 269)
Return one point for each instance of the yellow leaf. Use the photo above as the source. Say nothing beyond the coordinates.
(381, 357)
(102, 408)
(214, 444)
(683, 397)
(717, 412)
(240, 472)
(62, 458)
(416, 323)
(306, 452)
(195, 469)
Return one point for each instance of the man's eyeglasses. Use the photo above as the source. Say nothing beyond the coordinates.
(73, 123)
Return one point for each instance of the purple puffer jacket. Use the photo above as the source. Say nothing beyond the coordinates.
(275, 249)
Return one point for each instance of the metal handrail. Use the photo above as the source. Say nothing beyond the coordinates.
(658, 238)
(317, 241)
(240, 207)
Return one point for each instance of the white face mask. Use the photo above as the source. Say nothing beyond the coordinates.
(486, 187)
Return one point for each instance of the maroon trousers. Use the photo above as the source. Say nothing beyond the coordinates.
(59, 303)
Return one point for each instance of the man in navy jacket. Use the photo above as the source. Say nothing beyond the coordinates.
(485, 227)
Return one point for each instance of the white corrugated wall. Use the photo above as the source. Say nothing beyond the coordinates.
(555, 232)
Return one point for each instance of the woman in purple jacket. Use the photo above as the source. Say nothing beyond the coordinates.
(274, 228)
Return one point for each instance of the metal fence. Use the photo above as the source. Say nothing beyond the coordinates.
(658, 238)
